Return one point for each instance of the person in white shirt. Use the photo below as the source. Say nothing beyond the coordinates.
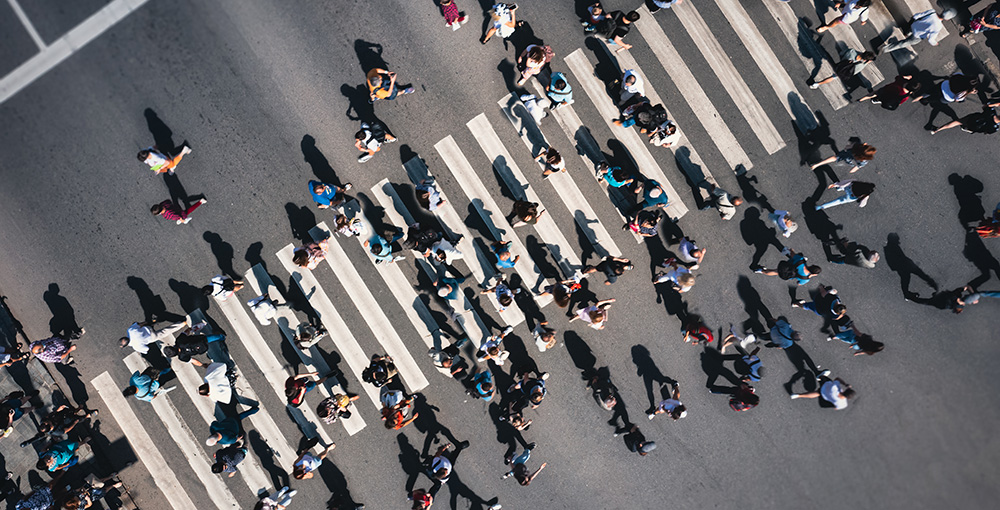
(223, 287)
(834, 391)
(665, 135)
(444, 251)
(632, 86)
(924, 25)
(141, 334)
(490, 349)
(217, 386)
(783, 220)
(671, 407)
(850, 11)
(723, 201)
(690, 253)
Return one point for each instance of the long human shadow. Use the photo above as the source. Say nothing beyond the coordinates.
(713, 364)
(749, 192)
(810, 142)
(428, 424)
(904, 266)
(409, 460)
(981, 257)
(509, 75)
(191, 297)
(163, 137)
(369, 55)
(152, 304)
(457, 488)
(672, 301)
(523, 37)
(300, 220)
(973, 67)
(266, 454)
(758, 314)
(757, 234)
(693, 175)
(224, 254)
(607, 69)
(970, 205)
(317, 161)
(336, 482)
(178, 195)
(63, 322)
(255, 255)
(646, 369)
(506, 433)
(805, 368)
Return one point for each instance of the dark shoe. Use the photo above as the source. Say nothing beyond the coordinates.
(463, 445)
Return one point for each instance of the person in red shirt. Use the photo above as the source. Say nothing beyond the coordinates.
(171, 211)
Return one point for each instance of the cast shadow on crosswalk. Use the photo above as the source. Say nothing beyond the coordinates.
(646, 369)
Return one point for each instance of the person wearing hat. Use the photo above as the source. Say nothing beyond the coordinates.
(636, 442)
(447, 288)
(924, 25)
(671, 406)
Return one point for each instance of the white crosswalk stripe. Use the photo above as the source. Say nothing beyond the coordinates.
(583, 71)
(845, 35)
(187, 443)
(342, 337)
(563, 183)
(146, 450)
(462, 170)
(370, 310)
(312, 359)
(769, 64)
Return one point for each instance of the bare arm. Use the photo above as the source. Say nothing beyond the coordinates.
(539, 470)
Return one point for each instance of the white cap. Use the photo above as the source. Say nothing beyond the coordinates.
(948, 13)
(444, 291)
(212, 440)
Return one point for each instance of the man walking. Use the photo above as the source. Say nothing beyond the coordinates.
(327, 195)
(228, 459)
(145, 385)
(228, 430)
(923, 25)
(382, 85)
(141, 334)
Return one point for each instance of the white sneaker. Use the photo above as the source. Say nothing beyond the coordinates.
(793, 396)
(749, 339)
(825, 373)
(650, 416)
(496, 507)
(814, 86)
(507, 330)
(204, 201)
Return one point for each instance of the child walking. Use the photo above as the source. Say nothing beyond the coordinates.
(452, 17)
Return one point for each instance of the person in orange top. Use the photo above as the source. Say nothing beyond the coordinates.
(160, 161)
(382, 85)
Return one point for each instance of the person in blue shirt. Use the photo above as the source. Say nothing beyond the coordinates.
(327, 195)
(59, 456)
(795, 268)
(782, 334)
(613, 175)
(227, 431)
(482, 386)
(505, 260)
(559, 91)
(653, 196)
(381, 248)
(145, 385)
(448, 287)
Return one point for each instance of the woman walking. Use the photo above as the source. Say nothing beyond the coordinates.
(986, 122)
(532, 60)
(503, 20)
(857, 155)
(895, 93)
(596, 315)
(854, 191)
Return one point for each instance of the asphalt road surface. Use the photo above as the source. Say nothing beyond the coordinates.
(266, 94)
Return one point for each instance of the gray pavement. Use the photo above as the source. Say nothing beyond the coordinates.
(252, 85)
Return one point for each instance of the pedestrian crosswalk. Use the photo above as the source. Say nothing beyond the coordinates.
(474, 167)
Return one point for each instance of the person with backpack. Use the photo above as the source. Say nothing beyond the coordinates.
(559, 91)
(490, 349)
(310, 254)
(532, 60)
(382, 85)
(834, 391)
(616, 26)
(612, 267)
(530, 390)
(855, 155)
(160, 161)
(145, 385)
(644, 223)
(395, 407)
(795, 267)
(60, 456)
(482, 386)
(421, 239)
(370, 139)
(298, 385)
(850, 11)
(335, 406)
(854, 191)
(228, 459)
(984, 122)
(380, 371)
(519, 470)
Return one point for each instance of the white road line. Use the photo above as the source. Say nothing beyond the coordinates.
(589, 151)
(62, 48)
(369, 308)
(312, 359)
(262, 421)
(800, 36)
(724, 69)
(562, 251)
(845, 34)
(396, 212)
(586, 219)
(480, 197)
(268, 363)
(788, 94)
(187, 443)
(583, 70)
(27, 24)
(146, 450)
(341, 335)
(483, 268)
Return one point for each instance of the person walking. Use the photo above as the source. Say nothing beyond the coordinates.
(443, 252)
(504, 294)
(690, 254)
(428, 195)
(422, 499)
(828, 306)
(672, 406)
(851, 11)
(984, 122)
(12, 408)
(561, 291)
(382, 85)
(161, 162)
(860, 343)
(450, 357)
(855, 155)
(519, 469)
(612, 267)
(749, 366)
(617, 26)
(310, 254)
(218, 385)
(145, 385)
(552, 160)
(228, 459)
(794, 268)
(228, 430)
(335, 406)
(834, 391)
(636, 442)
(656, 5)
(59, 456)
(633, 89)
(984, 20)
(482, 386)
(596, 315)
(850, 66)
(490, 349)
(298, 385)
(503, 20)
(680, 278)
(784, 221)
(452, 17)
(380, 370)
(222, 287)
(443, 464)
(854, 254)
(901, 90)
(545, 337)
(532, 60)
(665, 134)
(854, 191)
(926, 25)
(653, 196)
(55, 349)
(382, 249)
(328, 195)
(171, 211)
(559, 91)
(723, 201)
(140, 335)
(613, 175)
(524, 213)
(395, 408)
(782, 334)
(644, 223)
(306, 463)
(505, 259)
(370, 138)
(277, 501)
(447, 288)
(696, 332)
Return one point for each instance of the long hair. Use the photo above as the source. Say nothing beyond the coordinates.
(862, 189)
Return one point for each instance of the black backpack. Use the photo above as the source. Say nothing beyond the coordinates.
(606, 27)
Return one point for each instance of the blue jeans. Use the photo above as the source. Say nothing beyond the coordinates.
(847, 197)
(848, 337)
(523, 458)
(811, 306)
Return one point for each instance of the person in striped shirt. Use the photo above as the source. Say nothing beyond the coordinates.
(171, 211)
